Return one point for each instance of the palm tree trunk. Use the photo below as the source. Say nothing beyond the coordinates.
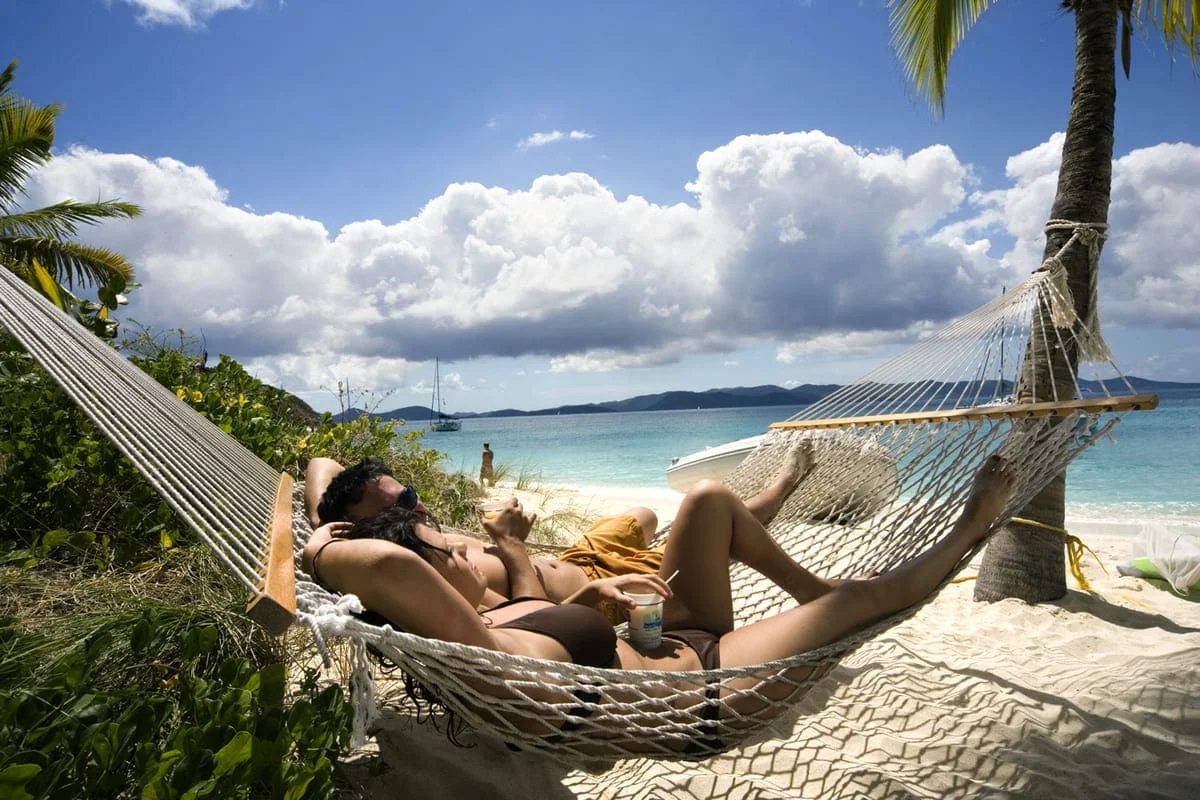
(1026, 561)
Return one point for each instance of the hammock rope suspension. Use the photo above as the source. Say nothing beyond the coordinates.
(894, 454)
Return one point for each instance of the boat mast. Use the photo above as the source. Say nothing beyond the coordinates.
(435, 401)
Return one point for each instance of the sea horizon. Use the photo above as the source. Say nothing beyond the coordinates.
(1149, 477)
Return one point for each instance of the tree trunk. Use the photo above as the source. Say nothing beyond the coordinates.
(1026, 561)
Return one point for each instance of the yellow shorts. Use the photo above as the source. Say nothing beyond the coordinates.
(613, 547)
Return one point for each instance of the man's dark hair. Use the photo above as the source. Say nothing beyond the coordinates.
(347, 488)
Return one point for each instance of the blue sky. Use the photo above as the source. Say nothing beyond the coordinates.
(264, 138)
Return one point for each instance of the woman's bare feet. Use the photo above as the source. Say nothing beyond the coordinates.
(798, 461)
(991, 490)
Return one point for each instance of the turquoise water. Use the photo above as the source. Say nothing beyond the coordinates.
(1152, 472)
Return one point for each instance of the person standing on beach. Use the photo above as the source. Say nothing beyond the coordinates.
(486, 474)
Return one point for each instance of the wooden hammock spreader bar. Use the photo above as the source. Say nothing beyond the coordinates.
(274, 607)
(1094, 405)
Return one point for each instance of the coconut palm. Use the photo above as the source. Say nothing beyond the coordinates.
(39, 245)
(1022, 560)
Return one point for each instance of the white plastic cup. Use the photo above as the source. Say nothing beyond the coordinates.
(645, 619)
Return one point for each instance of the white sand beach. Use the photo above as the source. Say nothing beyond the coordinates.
(1097, 695)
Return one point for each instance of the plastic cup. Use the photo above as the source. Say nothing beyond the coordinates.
(645, 619)
(492, 508)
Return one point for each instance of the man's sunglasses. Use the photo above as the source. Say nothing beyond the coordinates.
(408, 498)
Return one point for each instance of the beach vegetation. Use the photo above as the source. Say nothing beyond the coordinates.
(40, 245)
(128, 667)
(1030, 563)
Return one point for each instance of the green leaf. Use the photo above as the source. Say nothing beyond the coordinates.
(299, 785)
(53, 539)
(269, 683)
(15, 777)
(202, 789)
(238, 751)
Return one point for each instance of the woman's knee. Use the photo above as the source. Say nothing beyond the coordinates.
(647, 519)
(708, 489)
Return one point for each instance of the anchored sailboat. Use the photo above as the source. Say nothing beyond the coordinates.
(439, 420)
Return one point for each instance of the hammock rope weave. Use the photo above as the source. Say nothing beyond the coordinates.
(894, 456)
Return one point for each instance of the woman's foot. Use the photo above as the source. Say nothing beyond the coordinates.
(991, 490)
(798, 461)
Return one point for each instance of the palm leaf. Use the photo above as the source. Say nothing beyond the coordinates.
(61, 220)
(44, 282)
(68, 262)
(6, 77)
(925, 34)
(26, 135)
(1177, 21)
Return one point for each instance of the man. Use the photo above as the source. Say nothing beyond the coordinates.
(618, 545)
(486, 472)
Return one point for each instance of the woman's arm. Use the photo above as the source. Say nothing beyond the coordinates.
(400, 585)
(317, 475)
(613, 590)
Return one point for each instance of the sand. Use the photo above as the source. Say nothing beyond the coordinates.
(1097, 695)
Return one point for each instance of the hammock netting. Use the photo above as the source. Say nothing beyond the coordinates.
(894, 456)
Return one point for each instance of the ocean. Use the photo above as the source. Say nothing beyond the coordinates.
(1150, 474)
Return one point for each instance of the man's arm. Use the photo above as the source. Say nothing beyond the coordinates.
(508, 532)
(317, 476)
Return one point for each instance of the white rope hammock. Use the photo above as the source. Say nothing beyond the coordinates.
(894, 452)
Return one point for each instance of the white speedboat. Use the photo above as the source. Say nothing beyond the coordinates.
(711, 462)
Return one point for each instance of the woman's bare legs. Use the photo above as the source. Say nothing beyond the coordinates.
(854, 604)
(713, 526)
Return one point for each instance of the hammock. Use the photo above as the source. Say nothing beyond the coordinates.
(894, 456)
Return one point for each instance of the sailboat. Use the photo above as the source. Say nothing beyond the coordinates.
(439, 420)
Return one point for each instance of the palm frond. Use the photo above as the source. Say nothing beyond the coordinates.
(6, 77)
(46, 284)
(26, 135)
(1177, 21)
(925, 34)
(61, 220)
(68, 262)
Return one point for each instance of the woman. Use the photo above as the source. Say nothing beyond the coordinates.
(400, 566)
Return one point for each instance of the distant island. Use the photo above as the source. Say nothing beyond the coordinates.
(733, 397)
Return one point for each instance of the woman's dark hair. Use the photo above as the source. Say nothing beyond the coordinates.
(347, 488)
(399, 526)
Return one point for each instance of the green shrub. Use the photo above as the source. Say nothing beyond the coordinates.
(127, 668)
(233, 736)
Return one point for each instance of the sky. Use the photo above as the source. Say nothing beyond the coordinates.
(572, 203)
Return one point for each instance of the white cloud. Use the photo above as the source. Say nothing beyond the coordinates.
(565, 270)
(1150, 265)
(543, 138)
(848, 344)
(188, 13)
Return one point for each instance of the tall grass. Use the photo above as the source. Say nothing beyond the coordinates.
(59, 611)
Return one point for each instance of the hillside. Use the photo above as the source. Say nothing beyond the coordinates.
(735, 397)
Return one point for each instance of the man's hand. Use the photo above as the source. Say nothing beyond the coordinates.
(511, 523)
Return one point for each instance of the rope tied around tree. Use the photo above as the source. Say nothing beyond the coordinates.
(1091, 235)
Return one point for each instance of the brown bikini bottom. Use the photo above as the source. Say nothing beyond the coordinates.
(708, 647)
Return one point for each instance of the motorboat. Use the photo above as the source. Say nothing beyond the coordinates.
(710, 463)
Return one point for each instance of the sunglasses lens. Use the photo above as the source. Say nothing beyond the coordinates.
(408, 498)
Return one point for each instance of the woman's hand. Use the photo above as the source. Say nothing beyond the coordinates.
(333, 530)
(614, 590)
(512, 523)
